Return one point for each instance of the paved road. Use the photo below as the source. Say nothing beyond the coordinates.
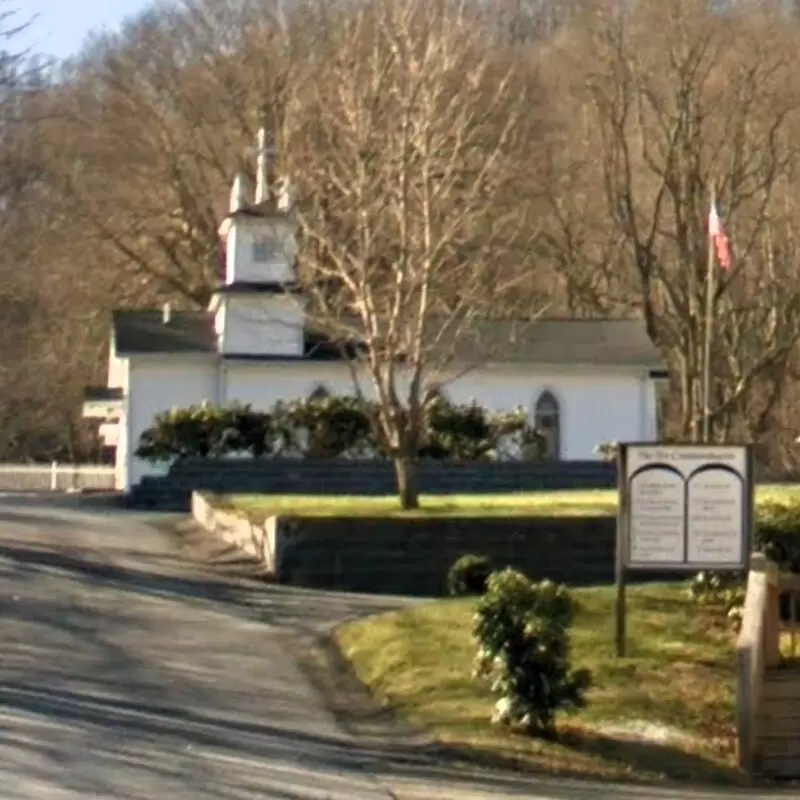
(128, 674)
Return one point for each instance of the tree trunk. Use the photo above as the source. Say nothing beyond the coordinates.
(405, 470)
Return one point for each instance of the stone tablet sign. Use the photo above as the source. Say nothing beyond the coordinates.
(686, 506)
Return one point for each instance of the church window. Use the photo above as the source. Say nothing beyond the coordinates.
(436, 392)
(263, 249)
(547, 418)
(319, 392)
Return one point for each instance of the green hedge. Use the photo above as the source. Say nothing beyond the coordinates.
(777, 535)
(324, 426)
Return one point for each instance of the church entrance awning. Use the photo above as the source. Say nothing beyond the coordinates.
(102, 402)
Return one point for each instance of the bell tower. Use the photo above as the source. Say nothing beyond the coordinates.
(257, 309)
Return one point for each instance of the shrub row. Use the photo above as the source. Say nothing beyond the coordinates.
(777, 535)
(323, 426)
(522, 629)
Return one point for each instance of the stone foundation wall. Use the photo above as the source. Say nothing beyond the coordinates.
(339, 476)
(412, 556)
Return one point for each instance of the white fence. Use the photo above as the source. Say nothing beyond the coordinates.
(55, 477)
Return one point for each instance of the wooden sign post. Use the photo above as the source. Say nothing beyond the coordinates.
(682, 508)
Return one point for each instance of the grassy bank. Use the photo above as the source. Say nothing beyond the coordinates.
(521, 504)
(666, 712)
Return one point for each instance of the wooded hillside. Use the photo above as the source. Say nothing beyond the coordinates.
(117, 168)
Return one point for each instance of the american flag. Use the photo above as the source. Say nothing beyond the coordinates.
(719, 238)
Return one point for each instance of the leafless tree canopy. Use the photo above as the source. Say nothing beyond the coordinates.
(409, 136)
(531, 152)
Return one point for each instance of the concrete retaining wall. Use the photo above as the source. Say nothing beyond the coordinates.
(412, 556)
(344, 476)
(257, 540)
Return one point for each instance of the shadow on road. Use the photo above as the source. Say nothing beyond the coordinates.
(50, 520)
(211, 737)
(147, 679)
(281, 606)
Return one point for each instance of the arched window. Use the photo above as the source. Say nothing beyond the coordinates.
(547, 418)
(319, 392)
(436, 392)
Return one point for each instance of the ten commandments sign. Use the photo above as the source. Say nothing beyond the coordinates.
(686, 506)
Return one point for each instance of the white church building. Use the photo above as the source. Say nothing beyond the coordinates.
(584, 381)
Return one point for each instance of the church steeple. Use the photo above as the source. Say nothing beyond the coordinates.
(265, 162)
(240, 193)
(258, 230)
(253, 306)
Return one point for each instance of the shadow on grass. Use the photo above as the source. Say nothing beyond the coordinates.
(508, 765)
(229, 587)
(689, 777)
(660, 604)
(672, 766)
(266, 725)
(664, 759)
(441, 770)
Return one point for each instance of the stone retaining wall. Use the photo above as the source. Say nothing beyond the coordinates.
(350, 477)
(413, 555)
(257, 540)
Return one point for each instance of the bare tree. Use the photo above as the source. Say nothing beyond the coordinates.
(453, 161)
(24, 79)
(711, 101)
(117, 191)
(410, 136)
(150, 126)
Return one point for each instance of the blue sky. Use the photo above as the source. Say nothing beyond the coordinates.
(62, 25)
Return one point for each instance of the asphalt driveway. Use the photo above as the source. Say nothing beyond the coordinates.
(130, 673)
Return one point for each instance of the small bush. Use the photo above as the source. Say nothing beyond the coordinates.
(202, 431)
(720, 591)
(717, 589)
(468, 576)
(608, 451)
(777, 534)
(522, 633)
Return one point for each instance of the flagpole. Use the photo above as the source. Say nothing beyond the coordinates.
(709, 329)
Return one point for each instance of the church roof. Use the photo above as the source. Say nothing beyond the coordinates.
(617, 342)
(146, 333)
(613, 342)
(100, 393)
(269, 207)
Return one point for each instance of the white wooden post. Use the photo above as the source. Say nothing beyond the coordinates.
(54, 476)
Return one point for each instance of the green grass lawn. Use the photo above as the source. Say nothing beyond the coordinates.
(680, 674)
(519, 504)
(543, 504)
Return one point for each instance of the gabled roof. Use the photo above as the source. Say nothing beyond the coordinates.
(268, 208)
(611, 342)
(140, 332)
(146, 333)
(617, 342)
(102, 393)
(258, 287)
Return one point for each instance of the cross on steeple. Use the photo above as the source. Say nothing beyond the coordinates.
(265, 165)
